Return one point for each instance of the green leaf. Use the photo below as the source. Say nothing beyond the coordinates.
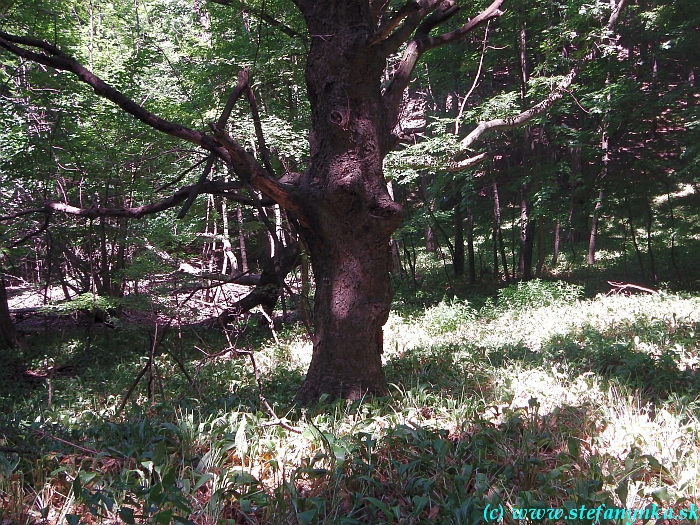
(383, 507)
(127, 515)
(164, 517)
(306, 517)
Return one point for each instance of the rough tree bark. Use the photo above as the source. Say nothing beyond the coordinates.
(349, 215)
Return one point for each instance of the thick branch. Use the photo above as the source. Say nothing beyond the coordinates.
(389, 25)
(230, 152)
(55, 58)
(423, 42)
(254, 174)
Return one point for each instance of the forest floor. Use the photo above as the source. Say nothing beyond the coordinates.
(535, 399)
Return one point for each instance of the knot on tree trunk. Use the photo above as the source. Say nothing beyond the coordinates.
(340, 119)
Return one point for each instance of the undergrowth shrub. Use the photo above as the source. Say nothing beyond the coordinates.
(446, 316)
(536, 294)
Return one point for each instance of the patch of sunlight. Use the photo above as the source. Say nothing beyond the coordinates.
(533, 328)
(608, 255)
(669, 437)
(684, 191)
(551, 388)
(403, 334)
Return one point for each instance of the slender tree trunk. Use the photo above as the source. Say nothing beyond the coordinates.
(527, 237)
(7, 327)
(633, 234)
(470, 246)
(557, 240)
(498, 234)
(241, 240)
(674, 263)
(650, 250)
(605, 147)
(540, 247)
(594, 228)
(431, 243)
(575, 224)
(458, 259)
(229, 256)
(396, 268)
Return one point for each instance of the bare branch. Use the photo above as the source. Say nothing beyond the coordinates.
(467, 163)
(43, 228)
(94, 212)
(476, 79)
(525, 116)
(492, 11)
(262, 147)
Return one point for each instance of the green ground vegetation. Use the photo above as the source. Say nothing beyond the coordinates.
(536, 397)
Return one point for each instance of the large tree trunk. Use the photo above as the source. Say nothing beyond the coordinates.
(348, 215)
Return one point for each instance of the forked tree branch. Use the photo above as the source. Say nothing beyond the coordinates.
(242, 84)
(254, 174)
(544, 105)
(243, 163)
(422, 42)
(403, 33)
(387, 26)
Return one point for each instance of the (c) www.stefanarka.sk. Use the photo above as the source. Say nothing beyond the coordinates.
(596, 514)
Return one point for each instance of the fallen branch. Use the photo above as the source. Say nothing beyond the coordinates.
(61, 440)
(626, 288)
(276, 420)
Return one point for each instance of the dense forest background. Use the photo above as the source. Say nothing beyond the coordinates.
(153, 343)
